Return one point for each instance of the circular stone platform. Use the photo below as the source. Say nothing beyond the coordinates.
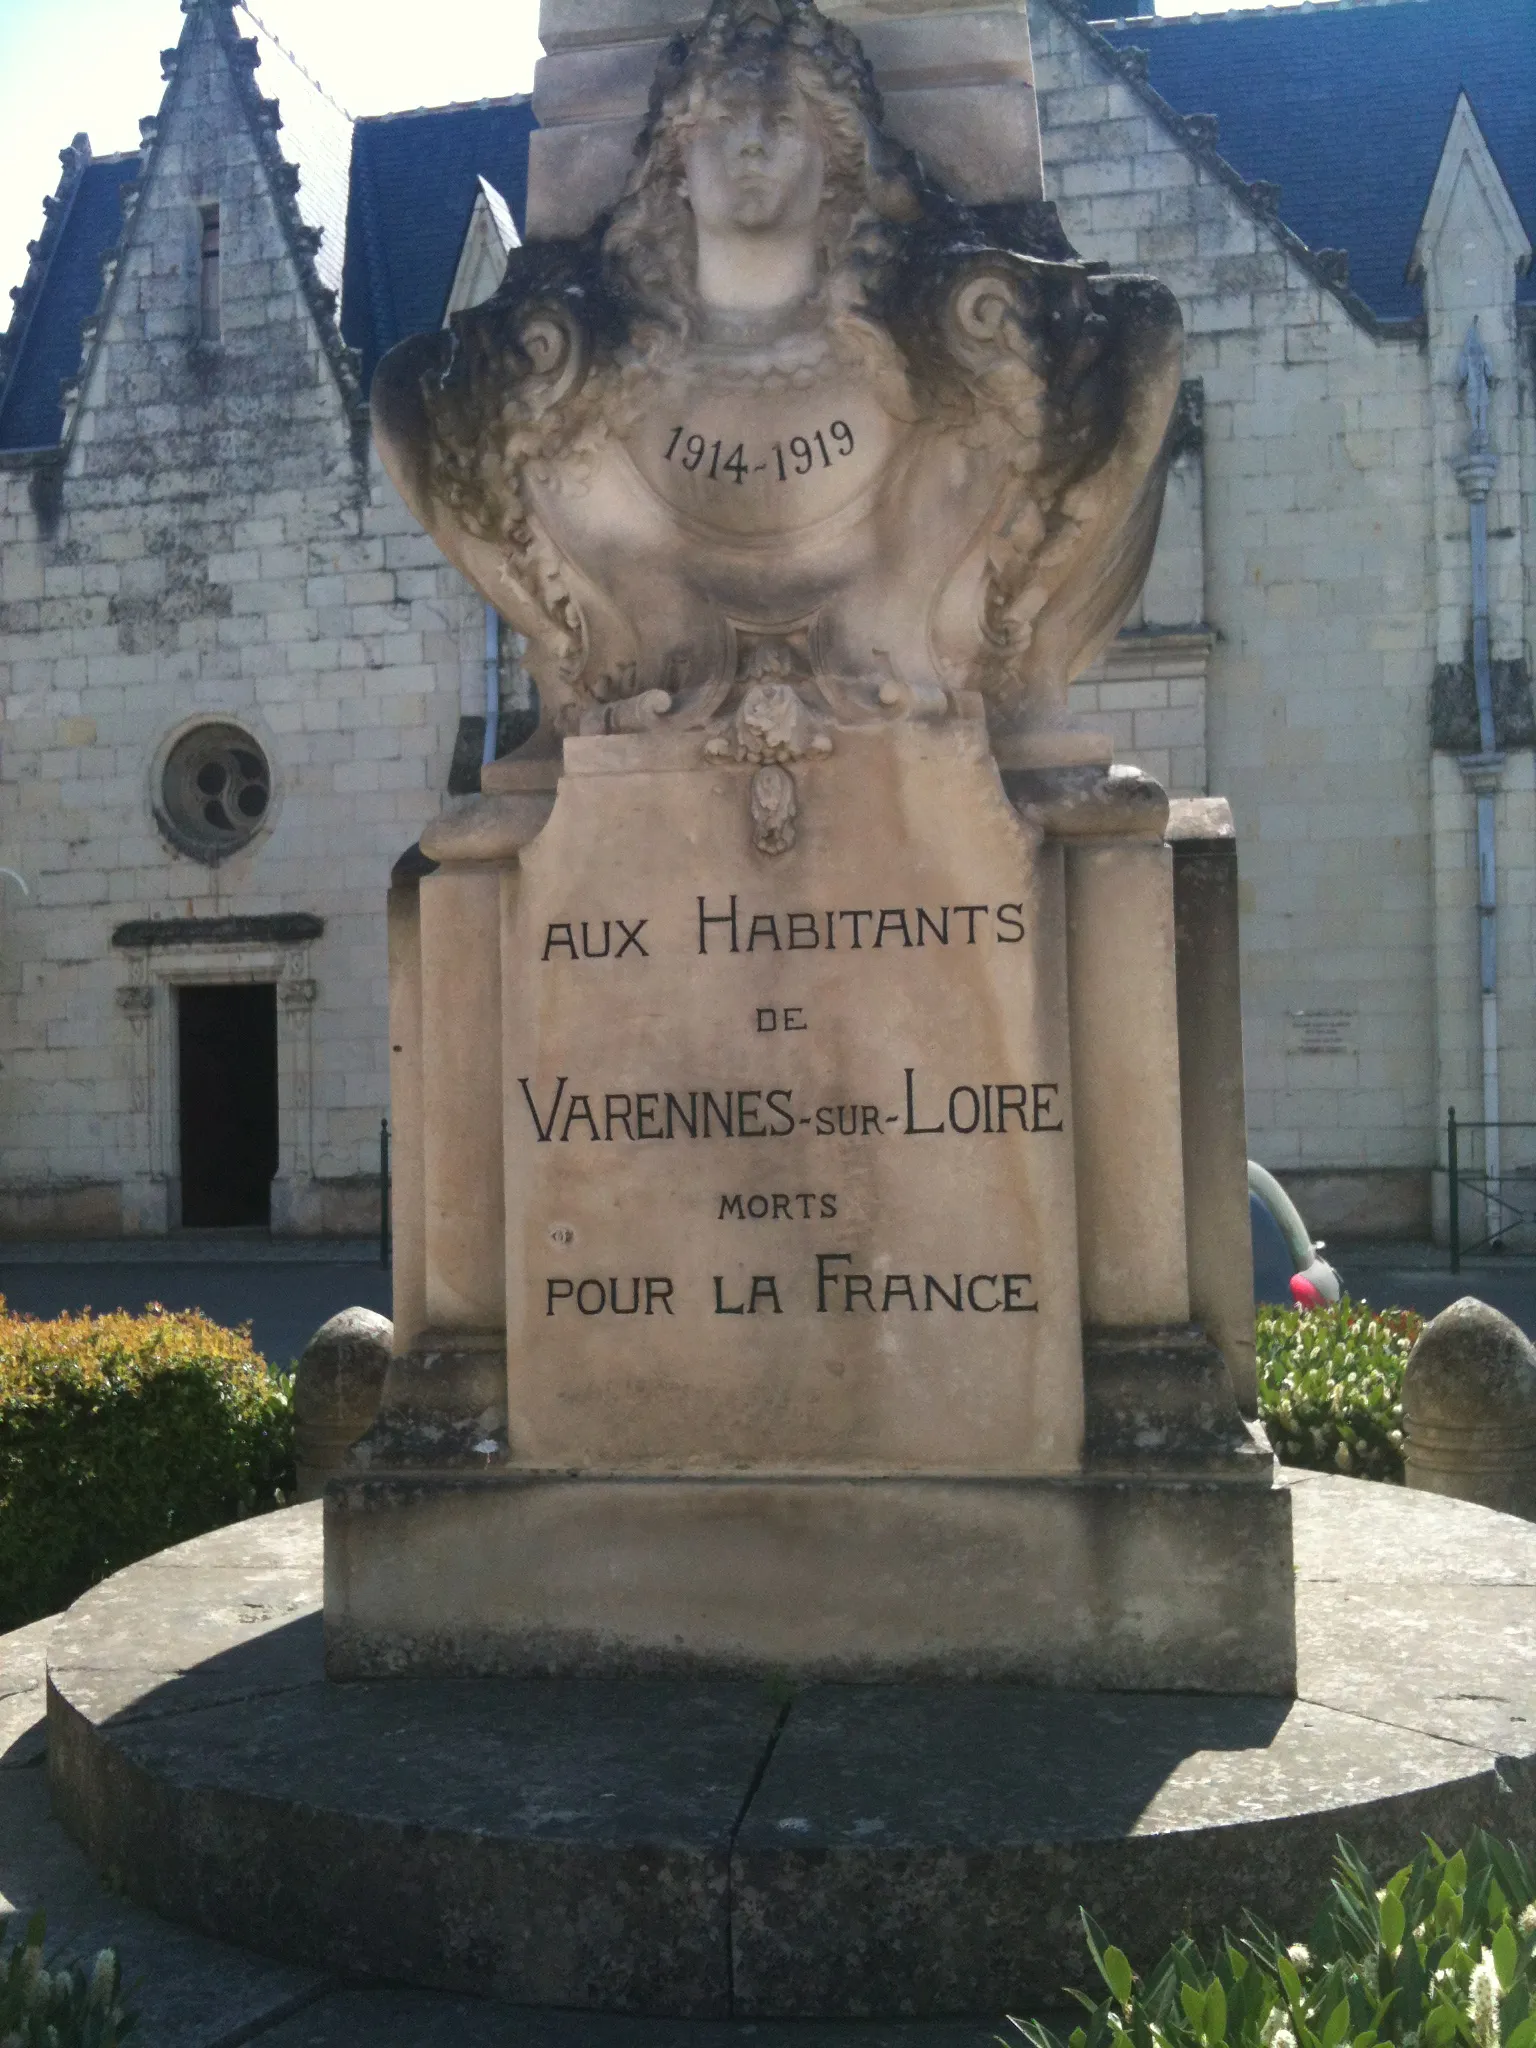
(708, 1850)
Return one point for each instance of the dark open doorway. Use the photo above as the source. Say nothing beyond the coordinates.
(228, 1052)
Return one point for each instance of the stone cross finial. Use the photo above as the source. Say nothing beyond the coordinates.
(1474, 379)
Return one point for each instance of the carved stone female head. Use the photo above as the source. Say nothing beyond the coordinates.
(763, 126)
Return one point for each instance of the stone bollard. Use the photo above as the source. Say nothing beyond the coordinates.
(336, 1393)
(1469, 1409)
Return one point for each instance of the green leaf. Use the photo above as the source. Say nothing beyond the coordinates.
(1117, 1975)
(1524, 2036)
(1394, 1921)
(1439, 2028)
(1506, 1957)
(1338, 2025)
(1193, 2002)
(1213, 2027)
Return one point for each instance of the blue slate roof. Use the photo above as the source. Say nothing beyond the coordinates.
(1347, 109)
(47, 350)
(413, 191)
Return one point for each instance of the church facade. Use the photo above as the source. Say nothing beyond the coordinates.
(237, 680)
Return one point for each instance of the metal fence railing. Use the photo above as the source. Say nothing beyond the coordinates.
(1503, 1196)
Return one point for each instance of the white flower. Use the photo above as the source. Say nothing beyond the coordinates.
(1276, 2032)
(1483, 2002)
(103, 1981)
(1528, 1920)
(1300, 1955)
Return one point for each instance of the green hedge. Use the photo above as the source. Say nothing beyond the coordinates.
(1443, 1954)
(65, 2007)
(1331, 1386)
(121, 1434)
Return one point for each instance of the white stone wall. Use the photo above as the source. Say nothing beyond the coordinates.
(219, 552)
(1318, 526)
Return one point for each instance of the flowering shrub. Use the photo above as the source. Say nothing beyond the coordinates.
(1445, 1953)
(121, 1434)
(68, 2007)
(1331, 1386)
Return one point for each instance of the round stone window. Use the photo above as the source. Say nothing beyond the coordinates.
(215, 791)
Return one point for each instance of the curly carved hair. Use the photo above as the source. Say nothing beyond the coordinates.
(773, 47)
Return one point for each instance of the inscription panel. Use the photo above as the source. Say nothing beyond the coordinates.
(789, 1141)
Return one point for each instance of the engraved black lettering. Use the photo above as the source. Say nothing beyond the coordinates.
(1012, 1098)
(706, 921)
(648, 1116)
(1013, 1284)
(580, 1111)
(764, 1288)
(757, 1208)
(847, 1120)
(826, 1122)
(914, 1128)
(855, 916)
(613, 1115)
(724, 1114)
(544, 1126)
(781, 1208)
(971, 911)
(858, 1287)
(632, 938)
(560, 935)
(828, 1207)
(804, 933)
(558, 1290)
(825, 1277)
(732, 1205)
(767, 1020)
(721, 1308)
(939, 929)
(688, 1118)
(794, 1020)
(583, 1294)
(893, 921)
(613, 1295)
(982, 1280)
(747, 1100)
(658, 1291)
(965, 1129)
(870, 1119)
(781, 1102)
(588, 950)
(764, 924)
(1045, 1104)
(899, 1286)
(932, 1287)
(1010, 924)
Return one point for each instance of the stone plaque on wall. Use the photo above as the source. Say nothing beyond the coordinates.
(789, 1141)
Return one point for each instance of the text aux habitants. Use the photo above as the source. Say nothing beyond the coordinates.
(733, 929)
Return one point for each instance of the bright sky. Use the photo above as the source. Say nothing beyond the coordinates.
(95, 64)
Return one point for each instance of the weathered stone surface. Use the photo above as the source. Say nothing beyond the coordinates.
(23, 1678)
(337, 1385)
(1469, 1409)
(1051, 1583)
(918, 1850)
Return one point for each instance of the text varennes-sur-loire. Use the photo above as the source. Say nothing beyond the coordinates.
(795, 931)
(984, 1109)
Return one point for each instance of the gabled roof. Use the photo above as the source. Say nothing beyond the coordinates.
(415, 179)
(60, 294)
(1346, 107)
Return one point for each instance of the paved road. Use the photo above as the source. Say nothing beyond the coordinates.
(285, 1297)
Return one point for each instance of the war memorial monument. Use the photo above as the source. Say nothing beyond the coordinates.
(814, 1536)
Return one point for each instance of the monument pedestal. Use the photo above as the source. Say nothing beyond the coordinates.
(842, 1340)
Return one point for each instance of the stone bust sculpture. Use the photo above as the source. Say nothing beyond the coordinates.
(792, 416)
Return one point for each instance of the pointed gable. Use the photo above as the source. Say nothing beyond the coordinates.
(1468, 187)
(1344, 107)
